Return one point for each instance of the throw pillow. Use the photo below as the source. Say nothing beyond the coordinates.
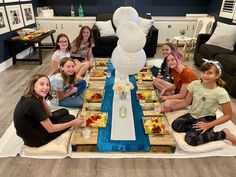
(105, 28)
(58, 146)
(223, 36)
(145, 24)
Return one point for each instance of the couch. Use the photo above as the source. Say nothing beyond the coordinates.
(226, 57)
(104, 46)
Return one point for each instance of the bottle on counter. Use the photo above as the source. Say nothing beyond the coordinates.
(72, 11)
(81, 11)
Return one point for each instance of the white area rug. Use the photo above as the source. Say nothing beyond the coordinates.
(10, 146)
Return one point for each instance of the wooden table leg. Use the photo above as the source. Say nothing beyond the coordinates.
(177, 45)
(40, 53)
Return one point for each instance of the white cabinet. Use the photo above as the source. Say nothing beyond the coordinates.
(169, 27)
(68, 25)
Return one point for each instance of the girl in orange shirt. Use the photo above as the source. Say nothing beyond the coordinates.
(182, 76)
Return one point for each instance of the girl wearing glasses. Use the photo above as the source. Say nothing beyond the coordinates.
(62, 49)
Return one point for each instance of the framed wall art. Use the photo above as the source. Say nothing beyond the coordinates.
(6, 1)
(15, 17)
(4, 26)
(28, 14)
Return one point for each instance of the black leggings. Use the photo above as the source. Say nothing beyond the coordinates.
(58, 117)
(184, 124)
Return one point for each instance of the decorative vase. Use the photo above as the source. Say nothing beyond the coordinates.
(182, 36)
(123, 95)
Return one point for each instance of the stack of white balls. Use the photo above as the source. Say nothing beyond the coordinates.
(128, 57)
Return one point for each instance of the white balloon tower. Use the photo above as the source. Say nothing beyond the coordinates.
(128, 57)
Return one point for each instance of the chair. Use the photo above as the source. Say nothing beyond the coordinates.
(204, 26)
(104, 46)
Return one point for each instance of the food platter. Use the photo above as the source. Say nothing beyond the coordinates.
(96, 72)
(144, 76)
(94, 119)
(147, 95)
(103, 63)
(156, 125)
(94, 95)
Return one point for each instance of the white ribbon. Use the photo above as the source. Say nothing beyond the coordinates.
(216, 63)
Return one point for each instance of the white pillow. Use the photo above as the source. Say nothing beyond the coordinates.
(179, 137)
(105, 28)
(223, 36)
(58, 146)
(145, 24)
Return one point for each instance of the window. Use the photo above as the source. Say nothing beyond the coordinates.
(228, 9)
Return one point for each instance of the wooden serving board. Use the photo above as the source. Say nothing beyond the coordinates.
(145, 85)
(80, 144)
(102, 78)
(92, 107)
(99, 84)
(158, 143)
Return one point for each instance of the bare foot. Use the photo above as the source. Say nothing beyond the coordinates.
(230, 136)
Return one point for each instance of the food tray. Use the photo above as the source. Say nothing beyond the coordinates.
(95, 72)
(156, 125)
(94, 119)
(101, 63)
(144, 76)
(94, 95)
(147, 95)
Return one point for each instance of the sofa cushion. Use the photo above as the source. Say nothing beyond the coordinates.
(105, 28)
(228, 62)
(108, 40)
(223, 36)
(210, 51)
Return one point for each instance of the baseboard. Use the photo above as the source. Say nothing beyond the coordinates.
(6, 64)
(25, 52)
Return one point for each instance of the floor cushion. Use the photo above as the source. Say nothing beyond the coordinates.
(179, 137)
(58, 146)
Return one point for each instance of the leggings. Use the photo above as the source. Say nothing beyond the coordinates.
(58, 117)
(184, 124)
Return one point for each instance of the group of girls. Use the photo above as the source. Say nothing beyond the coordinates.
(34, 121)
(69, 64)
(178, 84)
(205, 95)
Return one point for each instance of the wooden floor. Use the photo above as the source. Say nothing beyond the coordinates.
(13, 82)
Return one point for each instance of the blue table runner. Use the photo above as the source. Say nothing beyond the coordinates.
(104, 142)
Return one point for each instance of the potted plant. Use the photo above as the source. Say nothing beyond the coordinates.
(182, 32)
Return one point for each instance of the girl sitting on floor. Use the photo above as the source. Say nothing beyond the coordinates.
(182, 76)
(62, 48)
(206, 95)
(33, 119)
(65, 90)
(81, 51)
(164, 71)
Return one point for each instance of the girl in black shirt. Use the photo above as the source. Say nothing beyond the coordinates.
(33, 119)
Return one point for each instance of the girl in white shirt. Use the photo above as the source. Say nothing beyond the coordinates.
(62, 48)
